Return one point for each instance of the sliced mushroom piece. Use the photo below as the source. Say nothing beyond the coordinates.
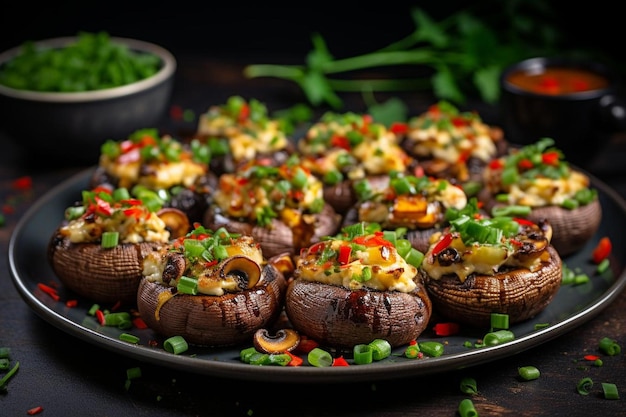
(176, 221)
(245, 270)
(283, 340)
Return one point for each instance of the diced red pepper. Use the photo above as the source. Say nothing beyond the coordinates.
(71, 303)
(591, 357)
(176, 112)
(34, 410)
(52, 292)
(602, 250)
(399, 128)
(295, 360)
(525, 164)
(306, 345)
(443, 243)
(550, 158)
(523, 222)
(344, 254)
(340, 142)
(446, 329)
(340, 361)
(496, 164)
(139, 323)
(23, 183)
(244, 113)
(100, 317)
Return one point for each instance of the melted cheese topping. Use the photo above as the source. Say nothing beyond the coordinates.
(378, 152)
(209, 280)
(132, 229)
(389, 271)
(242, 197)
(451, 136)
(480, 259)
(539, 191)
(246, 138)
(162, 175)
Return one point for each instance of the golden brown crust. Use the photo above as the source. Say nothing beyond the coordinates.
(520, 293)
(341, 318)
(208, 320)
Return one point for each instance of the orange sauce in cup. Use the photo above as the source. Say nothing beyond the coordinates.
(557, 80)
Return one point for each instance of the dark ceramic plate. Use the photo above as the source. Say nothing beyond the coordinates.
(572, 306)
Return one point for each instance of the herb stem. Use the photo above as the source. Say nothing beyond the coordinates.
(380, 85)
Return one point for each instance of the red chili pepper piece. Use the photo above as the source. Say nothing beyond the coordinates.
(100, 317)
(34, 410)
(306, 345)
(340, 361)
(344, 254)
(49, 290)
(525, 164)
(591, 357)
(602, 250)
(399, 128)
(523, 222)
(550, 158)
(139, 323)
(496, 164)
(23, 183)
(446, 329)
(71, 303)
(295, 360)
(442, 244)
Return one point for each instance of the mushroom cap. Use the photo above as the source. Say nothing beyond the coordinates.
(279, 238)
(341, 318)
(520, 293)
(101, 275)
(208, 320)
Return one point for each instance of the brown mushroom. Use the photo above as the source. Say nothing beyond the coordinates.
(102, 275)
(520, 293)
(338, 317)
(571, 228)
(208, 320)
(279, 238)
(283, 340)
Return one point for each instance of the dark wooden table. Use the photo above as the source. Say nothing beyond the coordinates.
(67, 376)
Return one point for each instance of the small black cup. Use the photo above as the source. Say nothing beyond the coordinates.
(580, 123)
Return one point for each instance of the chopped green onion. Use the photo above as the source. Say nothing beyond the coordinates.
(610, 346)
(603, 266)
(92, 310)
(362, 354)
(246, 354)
(512, 210)
(433, 349)
(187, 285)
(175, 345)
(467, 409)
(130, 338)
(499, 321)
(539, 326)
(5, 352)
(319, 358)
(380, 349)
(110, 239)
(133, 373)
(281, 359)
(412, 351)
(610, 391)
(498, 337)
(4, 364)
(468, 386)
(584, 386)
(259, 358)
(528, 373)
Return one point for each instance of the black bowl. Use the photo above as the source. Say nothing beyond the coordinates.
(69, 128)
(581, 123)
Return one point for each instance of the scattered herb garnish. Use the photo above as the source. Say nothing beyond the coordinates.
(461, 54)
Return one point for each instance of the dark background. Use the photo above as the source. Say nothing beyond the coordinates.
(257, 32)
